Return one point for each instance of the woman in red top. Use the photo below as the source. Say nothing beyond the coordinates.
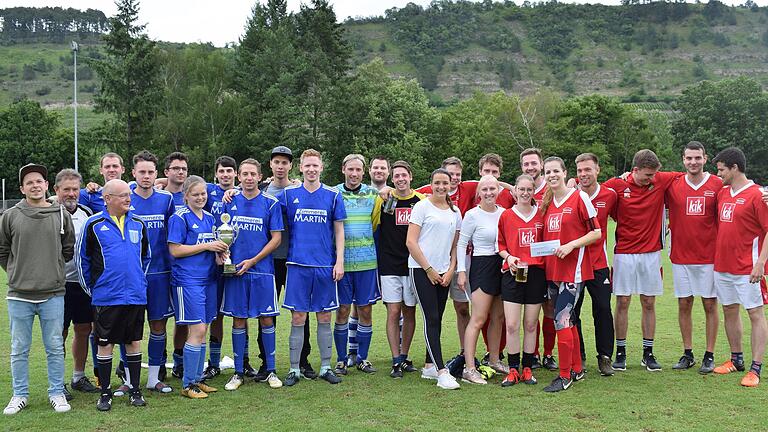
(520, 226)
(570, 218)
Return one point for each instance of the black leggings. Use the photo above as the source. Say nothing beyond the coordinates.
(599, 290)
(432, 299)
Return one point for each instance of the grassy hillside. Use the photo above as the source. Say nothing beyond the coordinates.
(641, 53)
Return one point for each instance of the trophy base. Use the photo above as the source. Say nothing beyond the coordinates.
(229, 270)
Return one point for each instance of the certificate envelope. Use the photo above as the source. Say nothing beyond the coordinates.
(545, 248)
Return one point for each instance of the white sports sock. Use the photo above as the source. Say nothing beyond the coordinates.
(152, 376)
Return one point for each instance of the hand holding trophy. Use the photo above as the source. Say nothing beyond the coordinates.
(227, 234)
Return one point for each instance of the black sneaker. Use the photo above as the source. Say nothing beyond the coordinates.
(536, 363)
(558, 384)
(407, 366)
(578, 376)
(604, 365)
(397, 371)
(261, 375)
(650, 363)
(621, 362)
(250, 372)
(330, 377)
(366, 367)
(549, 363)
(352, 359)
(136, 399)
(707, 365)
(67, 395)
(292, 379)
(211, 372)
(84, 385)
(178, 371)
(341, 368)
(162, 374)
(105, 402)
(685, 362)
(307, 372)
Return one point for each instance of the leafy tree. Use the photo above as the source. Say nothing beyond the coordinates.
(732, 112)
(129, 74)
(28, 133)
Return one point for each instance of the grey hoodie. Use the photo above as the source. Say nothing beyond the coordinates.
(35, 242)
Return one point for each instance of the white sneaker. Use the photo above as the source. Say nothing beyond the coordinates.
(16, 404)
(429, 373)
(59, 403)
(472, 376)
(447, 381)
(234, 383)
(274, 381)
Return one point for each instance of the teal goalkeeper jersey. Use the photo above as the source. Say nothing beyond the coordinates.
(359, 247)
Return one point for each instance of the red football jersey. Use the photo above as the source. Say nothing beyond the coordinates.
(640, 213)
(517, 232)
(693, 219)
(567, 221)
(742, 225)
(464, 197)
(538, 194)
(604, 201)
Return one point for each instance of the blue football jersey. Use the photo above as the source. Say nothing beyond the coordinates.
(310, 220)
(184, 227)
(254, 220)
(92, 200)
(178, 200)
(214, 205)
(155, 212)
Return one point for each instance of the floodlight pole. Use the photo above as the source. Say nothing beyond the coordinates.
(74, 103)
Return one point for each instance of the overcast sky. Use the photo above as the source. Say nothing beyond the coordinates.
(223, 21)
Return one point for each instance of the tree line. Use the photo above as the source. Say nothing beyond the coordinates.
(50, 24)
(290, 82)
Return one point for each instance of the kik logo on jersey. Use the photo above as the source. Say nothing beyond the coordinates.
(526, 236)
(403, 215)
(726, 213)
(695, 206)
(554, 222)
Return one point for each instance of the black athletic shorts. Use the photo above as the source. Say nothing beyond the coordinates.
(485, 273)
(77, 305)
(118, 324)
(534, 291)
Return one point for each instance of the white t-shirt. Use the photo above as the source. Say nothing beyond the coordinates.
(481, 228)
(78, 220)
(438, 228)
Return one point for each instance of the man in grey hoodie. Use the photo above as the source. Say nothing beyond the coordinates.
(36, 239)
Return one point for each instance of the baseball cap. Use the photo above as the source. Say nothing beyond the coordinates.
(30, 168)
(282, 151)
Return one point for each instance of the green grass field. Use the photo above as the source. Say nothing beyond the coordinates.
(635, 400)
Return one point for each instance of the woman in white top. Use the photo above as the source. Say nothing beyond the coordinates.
(433, 231)
(480, 227)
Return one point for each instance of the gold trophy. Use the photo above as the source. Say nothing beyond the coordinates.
(227, 234)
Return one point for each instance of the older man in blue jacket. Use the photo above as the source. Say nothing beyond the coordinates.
(113, 256)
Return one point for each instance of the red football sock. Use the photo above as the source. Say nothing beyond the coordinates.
(548, 326)
(538, 331)
(576, 352)
(564, 351)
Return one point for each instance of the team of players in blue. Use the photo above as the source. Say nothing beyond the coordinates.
(184, 277)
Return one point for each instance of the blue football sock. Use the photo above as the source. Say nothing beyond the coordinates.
(191, 358)
(215, 356)
(155, 348)
(200, 364)
(364, 334)
(268, 338)
(340, 336)
(123, 354)
(353, 340)
(238, 347)
(94, 353)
